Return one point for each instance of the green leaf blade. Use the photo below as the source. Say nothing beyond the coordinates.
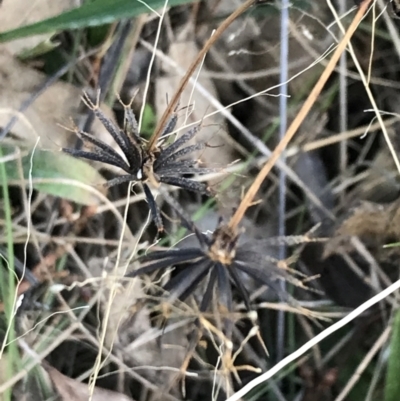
(59, 174)
(392, 387)
(98, 12)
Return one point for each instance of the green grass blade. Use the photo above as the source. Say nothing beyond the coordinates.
(97, 12)
(392, 387)
(7, 285)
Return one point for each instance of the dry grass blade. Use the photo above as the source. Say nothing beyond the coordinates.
(252, 191)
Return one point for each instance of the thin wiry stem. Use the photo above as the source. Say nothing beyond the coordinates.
(283, 102)
(252, 191)
(368, 89)
(150, 67)
(343, 101)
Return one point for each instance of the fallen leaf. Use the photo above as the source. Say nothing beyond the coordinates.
(58, 103)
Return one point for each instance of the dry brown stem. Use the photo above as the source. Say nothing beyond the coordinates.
(252, 191)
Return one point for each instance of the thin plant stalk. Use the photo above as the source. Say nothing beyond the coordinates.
(252, 191)
(283, 103)
(343, 100)
(379, 343)
(370, 95)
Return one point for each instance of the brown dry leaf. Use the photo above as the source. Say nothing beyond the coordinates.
(72, 390)
(16, 13)
(55, 105)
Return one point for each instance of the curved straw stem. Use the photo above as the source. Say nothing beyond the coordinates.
(214, 37)
(252, 191)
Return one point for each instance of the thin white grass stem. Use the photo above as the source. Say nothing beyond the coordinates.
(112, 293)
(150, 8)
(44, 320)
(213, 101)
(29, 214)
(194, 86)
(368, 90)
(316, 340)
(153, 56)
(337, 347)
(371, 55)
(21, 374)
(391, 26)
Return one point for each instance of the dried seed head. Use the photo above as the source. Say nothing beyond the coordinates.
(168, 164)
(223, 245)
